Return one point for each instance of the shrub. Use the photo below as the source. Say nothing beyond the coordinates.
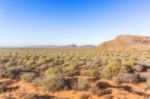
(30, 63)
(94, 73)
(102, 85)
(129, 62)
(29, 77)
(70, 83)
(38, 81)
(13, 72)
(42, 67)
(3, 88)
(9, 64)
(126, 78)
(100, 88)
(91, 73)
(2, 73)
(111, 70)
(82, 84)
(126, 69)
(53, 80)
(52, 71)
(71, 70)
(77, 84)
(139, 68)
(41, 60)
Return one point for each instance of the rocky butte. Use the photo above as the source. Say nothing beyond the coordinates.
(127, 42)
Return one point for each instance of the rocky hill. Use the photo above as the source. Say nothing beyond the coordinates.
(127, 42)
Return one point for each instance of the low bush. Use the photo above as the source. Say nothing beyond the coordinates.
(42, 67)
(53, 80)
(13, 72)
(126, 69)
(28, 77)
(91, 73)
(52, 71)
(2, 73)
(3, 88)
(70, 83)
(111, 70)
(30, 62)
(71, 70)
(102, 85)
(129, 62)
(126, 78)
(9, 64)
(82, 85)
(139, 68)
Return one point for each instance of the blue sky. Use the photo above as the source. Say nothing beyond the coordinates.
(61, 22)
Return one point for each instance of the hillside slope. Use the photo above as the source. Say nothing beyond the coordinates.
(127, 42)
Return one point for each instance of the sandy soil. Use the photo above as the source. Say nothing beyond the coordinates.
(20, 88)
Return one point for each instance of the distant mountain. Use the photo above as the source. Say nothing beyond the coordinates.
(127, 42)
(87, 46)
(65, 46)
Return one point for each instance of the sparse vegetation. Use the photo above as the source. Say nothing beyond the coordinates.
(72, 69)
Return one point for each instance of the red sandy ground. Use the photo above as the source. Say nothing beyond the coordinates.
(26, 88)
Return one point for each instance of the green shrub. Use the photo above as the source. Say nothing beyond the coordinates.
(9, 64)
(71, 70)
(52, 71)
(30, 63)
(112, 69)
(53, 80)
(129, 62)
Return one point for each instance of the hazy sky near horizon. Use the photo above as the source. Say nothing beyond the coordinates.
(61, 22)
